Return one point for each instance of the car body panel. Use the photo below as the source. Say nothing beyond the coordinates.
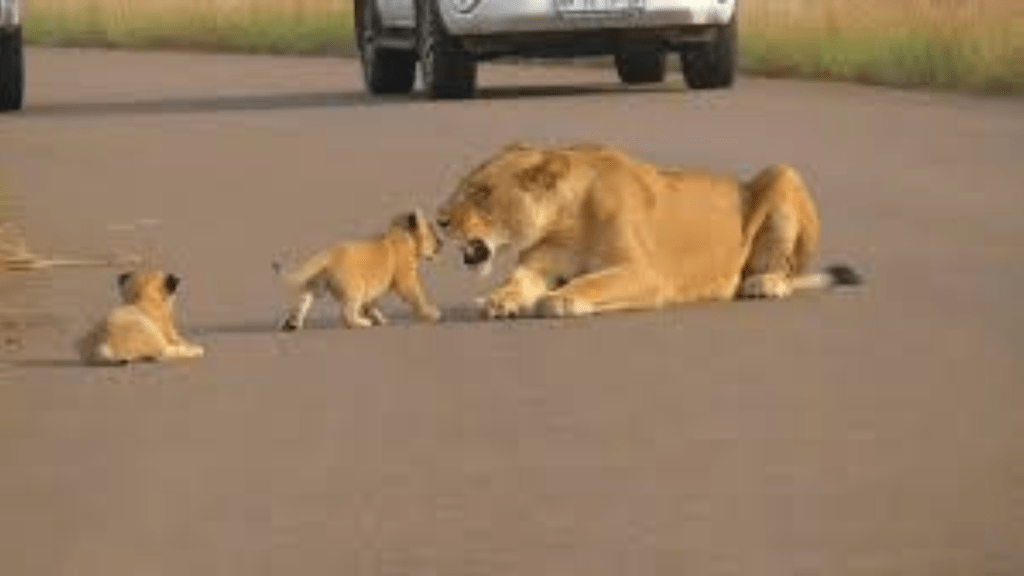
(482, 17)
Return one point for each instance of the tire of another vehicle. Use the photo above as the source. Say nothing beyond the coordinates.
(711, 65)
(640, 66)
(12, 70)
(448, 70)
(385, 70)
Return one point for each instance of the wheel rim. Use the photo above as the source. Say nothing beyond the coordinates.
(367, 38)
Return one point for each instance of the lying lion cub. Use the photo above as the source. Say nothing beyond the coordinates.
(358, 273)
(143, 327)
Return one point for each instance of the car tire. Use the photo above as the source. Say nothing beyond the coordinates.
(448, 70)
(712, 64)
(12, 70)
(385, 70)
(640, 66)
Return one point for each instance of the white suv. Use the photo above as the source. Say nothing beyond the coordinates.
(12, 63)
(448, 37)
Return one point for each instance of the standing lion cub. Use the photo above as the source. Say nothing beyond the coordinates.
(357, 273)
(142, 328)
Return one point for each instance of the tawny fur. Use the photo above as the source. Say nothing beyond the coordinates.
(143, 327)
(357, 273)
(596, 229)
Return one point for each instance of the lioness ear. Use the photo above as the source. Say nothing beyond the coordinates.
(411, 221)
(171, 283)
(547, 172)
(517, 146)
(122, 278)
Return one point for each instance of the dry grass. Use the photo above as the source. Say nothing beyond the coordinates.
(967, 44)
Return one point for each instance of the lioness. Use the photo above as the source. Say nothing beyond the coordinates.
(599, 230)
(143, 327)
(357, 273)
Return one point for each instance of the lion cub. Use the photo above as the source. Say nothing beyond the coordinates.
(357, 273)
(143, 327)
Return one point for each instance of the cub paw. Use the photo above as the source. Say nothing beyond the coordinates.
(431, 314)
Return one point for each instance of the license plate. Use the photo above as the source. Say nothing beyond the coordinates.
(598, 7)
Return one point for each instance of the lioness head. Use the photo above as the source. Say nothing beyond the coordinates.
(511, 199)
(147, 285)
(428, 243)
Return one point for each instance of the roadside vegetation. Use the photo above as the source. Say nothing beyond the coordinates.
(973, 45)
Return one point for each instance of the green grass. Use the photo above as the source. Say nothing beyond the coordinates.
(901, 60)
(259, 32)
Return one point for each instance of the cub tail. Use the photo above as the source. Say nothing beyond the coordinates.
(305, 273)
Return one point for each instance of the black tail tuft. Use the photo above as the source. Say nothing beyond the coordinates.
(843, 275)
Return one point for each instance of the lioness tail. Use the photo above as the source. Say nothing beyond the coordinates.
(838, 275)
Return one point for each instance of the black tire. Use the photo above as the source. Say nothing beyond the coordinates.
(12, 70)
(385, 70)
(448, 70)
(711, 65)
(640, 66)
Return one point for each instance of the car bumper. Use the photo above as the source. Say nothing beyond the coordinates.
(10, 13)
(500, 17)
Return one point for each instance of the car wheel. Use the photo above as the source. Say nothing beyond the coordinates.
(448, 70)
(712, 64)
(12, 70)
(640, 66)
(385, 70)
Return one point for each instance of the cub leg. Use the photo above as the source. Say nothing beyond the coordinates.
(374, 313)
(409, 288)
(297, 316)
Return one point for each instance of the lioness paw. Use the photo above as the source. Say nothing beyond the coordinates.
(503, 304)
(561, 306)
(766, 286)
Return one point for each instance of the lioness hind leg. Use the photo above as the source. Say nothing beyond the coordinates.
(773, 257)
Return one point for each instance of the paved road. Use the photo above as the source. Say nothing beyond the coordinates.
(870, 432)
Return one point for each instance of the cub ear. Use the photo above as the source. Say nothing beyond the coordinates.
(122, 278)
(171, 283)
(546, 173)
(412, 221)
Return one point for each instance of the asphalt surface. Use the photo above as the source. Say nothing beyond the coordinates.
(870, 431)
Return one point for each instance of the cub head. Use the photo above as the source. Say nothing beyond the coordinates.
(513, 198)
(147, 285)
(422, 231)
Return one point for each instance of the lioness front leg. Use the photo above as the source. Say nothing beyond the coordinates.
(607, 290)
(528, 282)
